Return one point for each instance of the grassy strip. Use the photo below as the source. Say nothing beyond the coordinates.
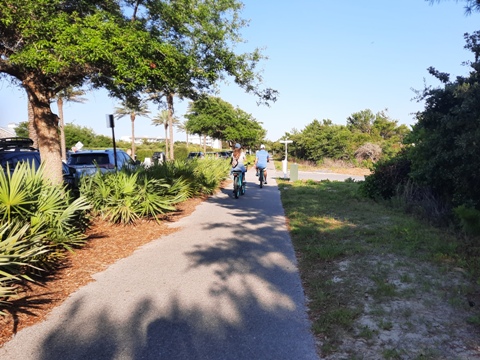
(356, 255)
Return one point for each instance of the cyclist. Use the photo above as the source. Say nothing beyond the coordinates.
(261, 159)
(238, 160)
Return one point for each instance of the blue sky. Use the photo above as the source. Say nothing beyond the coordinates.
(327, 58)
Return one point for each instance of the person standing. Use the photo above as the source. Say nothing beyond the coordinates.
(262, 157)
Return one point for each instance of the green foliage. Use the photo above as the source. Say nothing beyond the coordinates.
(469, 219)
(387, 178)
(21, 130)
(18, 252)
(202, 176)
(320, 140)
(126, 196)
(128, 48)
(361, 121)
(220, 120)
(25, 197)
(181, 151)
(39, 221)
(90, 140)
(325, 140)
(446, 137)
(209, 173)
(345, 246)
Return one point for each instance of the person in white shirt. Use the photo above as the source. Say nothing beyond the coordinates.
(261, 159)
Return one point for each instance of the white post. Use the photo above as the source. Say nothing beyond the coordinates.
(285, 163)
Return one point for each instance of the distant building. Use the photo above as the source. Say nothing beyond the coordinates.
(141, 139)
(197, 139)
(5, 133)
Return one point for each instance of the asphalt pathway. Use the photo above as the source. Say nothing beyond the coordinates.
(225, 286)
(320, 175)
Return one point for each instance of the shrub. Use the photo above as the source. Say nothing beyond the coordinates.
(201, 175)
(368, 151)
(422, 202)
(447, 134)
(27, 198)
(39, 221)
(124, 197)
(386, 178)
(469, 219)
(19, 252)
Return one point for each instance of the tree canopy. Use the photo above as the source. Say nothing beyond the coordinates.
(127, 47)
(218, 119)
(470, 5)
(446, 137)
(324, 139)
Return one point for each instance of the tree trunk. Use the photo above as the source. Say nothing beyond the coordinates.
(170, 123)
(132, 117)
(63, 145)
(204, 144)
(32, 132)
(46, 126)
(165, 125)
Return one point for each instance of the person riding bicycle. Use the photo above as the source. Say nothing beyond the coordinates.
(238, 160)
(261, 159)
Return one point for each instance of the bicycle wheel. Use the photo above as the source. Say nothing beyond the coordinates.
(244, 187)
(260, 178)
(235, 186)
(239, 185)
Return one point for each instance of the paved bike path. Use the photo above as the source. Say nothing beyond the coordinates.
(225, 286)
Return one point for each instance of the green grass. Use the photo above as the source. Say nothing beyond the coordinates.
(369, 246)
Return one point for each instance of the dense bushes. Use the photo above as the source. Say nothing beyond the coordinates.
(39, 222)
(388, 177)
(443, 149)
(127, 196)
(366, 138)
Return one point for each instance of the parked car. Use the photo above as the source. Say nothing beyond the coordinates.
(158, 157)
(196, 155)
(86, 162)
(17, 149)
(225, 154)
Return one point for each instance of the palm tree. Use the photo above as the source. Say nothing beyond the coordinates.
(183, 127)
(162, 119)
(170, 121)
(133, 108)
(68, 94)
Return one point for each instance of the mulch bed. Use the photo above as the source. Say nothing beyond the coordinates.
(106, 244)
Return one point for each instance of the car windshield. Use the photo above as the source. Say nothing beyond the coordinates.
(89, 159)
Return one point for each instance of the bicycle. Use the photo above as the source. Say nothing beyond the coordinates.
(261, 176)
(239, 183)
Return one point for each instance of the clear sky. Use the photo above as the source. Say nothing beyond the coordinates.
(327, 58)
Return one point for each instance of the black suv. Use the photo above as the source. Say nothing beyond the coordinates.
(196, 155)
(17, 149)
(158, 157)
